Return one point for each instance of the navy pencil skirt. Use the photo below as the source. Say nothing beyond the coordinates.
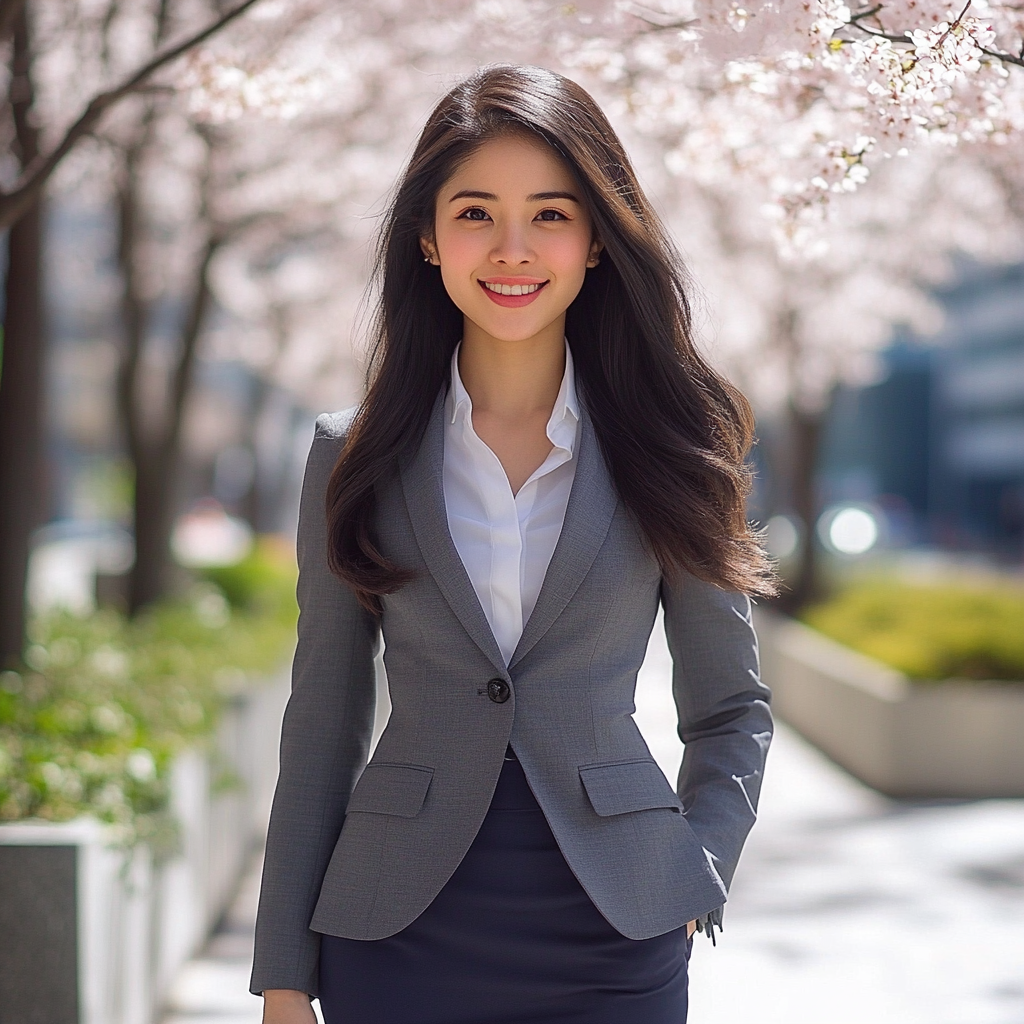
(511, 939)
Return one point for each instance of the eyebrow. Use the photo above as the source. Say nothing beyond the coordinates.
(490, 197)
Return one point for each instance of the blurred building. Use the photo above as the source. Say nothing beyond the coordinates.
(938, 443)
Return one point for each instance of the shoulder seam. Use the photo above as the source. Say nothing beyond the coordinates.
(335, 425)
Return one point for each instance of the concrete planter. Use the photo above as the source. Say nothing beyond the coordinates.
(904, 738)
(92, 935)
(75, 918)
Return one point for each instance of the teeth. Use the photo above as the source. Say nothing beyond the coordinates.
(511, 289)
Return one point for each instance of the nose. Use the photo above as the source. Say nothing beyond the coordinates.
(511, 247)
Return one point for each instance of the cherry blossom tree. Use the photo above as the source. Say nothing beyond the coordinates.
(190, 196)
(780, 131)
(788, 131)
(193, 196)
(833, 155)
(801, 99)
(791, 329)
(38, 140)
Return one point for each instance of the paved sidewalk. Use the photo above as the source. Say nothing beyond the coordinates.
(850, 908)
(847, 907)
(214, 987)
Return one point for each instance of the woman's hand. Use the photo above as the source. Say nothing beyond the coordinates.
(287, 1006)
(691, 927)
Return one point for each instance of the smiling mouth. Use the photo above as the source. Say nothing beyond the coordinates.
(513, 289)
(512, 295)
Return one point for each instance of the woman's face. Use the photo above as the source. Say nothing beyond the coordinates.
(511, 220)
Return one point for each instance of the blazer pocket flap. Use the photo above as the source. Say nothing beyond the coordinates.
(627, 786)
(398, 789)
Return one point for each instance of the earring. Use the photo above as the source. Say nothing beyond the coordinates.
(428, 259)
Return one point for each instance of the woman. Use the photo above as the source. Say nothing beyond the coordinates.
(541, 459)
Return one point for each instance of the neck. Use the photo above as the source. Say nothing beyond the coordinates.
(512, 379)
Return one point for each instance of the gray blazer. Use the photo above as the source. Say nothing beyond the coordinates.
(360, 850)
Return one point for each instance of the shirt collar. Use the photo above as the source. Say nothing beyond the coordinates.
(565, 413)
(460, 405)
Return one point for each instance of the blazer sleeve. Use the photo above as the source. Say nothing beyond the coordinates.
(325, 738)
(724, 716)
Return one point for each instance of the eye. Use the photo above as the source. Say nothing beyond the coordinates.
(474, 213)
(551, 215)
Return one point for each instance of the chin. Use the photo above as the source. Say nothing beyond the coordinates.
(512, 327)
(505, 332)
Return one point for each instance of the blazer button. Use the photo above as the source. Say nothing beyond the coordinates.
(498, 690)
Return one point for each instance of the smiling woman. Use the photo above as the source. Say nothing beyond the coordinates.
(541, 460)
(510, 234)
(523, 239)
(674, 434)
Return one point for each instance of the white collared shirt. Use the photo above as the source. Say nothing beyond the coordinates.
(506, 540)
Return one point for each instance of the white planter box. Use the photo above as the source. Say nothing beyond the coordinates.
(904, 738)
(76, 921)
(90, 935)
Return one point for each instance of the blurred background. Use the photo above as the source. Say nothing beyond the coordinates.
(190, 192)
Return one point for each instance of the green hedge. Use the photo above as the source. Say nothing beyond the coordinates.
(93, 722)
(946, 631)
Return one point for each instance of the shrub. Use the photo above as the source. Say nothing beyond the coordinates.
(93, 722)
(930, 632)
(262, 581)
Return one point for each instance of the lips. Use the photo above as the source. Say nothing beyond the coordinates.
(531, 289)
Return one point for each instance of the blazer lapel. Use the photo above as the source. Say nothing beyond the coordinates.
(422, 485)
(588, 516)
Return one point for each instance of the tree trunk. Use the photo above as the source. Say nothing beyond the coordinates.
(10, 10)
(154, 489)
(253, 503)
(134, 325)
(805, 431)
(21, 376)
(154, 447)
(21, 426)
(158, 467)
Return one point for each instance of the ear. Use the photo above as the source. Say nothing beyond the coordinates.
(593, 258)
(429, 251)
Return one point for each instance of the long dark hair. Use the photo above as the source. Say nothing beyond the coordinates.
(674, 434)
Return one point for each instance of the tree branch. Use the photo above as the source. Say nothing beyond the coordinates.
(878, 34)
(856, 21)
(665, 26)
(199, 304)
(955, 24)
(22, 91)
(870, 13)
(1006, 58)
(28, 187)
(134, 307)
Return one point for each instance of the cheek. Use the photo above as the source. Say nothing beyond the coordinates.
(458, 249)
(567, 255)
(460, 259)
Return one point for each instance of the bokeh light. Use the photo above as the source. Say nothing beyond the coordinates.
(851, 530)
(781, 537)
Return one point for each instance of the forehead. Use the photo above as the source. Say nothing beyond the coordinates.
(511, 167)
